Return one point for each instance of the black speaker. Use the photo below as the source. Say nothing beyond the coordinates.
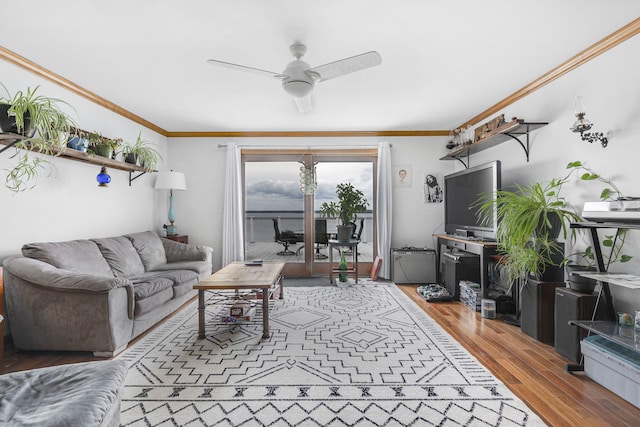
(537, 311)
(572, 305)
(457, 266)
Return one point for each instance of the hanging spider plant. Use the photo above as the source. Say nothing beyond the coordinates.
(41, 125)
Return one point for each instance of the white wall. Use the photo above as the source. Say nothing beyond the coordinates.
(200, 209)
(69, 204)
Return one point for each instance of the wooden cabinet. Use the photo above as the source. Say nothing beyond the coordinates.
(181, 238)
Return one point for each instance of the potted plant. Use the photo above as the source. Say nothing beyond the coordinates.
(530, 220)
(141, 153)
(42, 126)
(103, 146)
(351, 201)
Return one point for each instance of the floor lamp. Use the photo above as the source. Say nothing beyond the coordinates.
(171, 181)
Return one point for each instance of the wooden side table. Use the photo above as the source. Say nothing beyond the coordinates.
(181, 238)
(353, 247)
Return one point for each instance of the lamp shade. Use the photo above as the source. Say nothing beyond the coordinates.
(170, 181)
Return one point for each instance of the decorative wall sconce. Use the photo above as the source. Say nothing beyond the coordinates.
(582, 125)
(103, 177)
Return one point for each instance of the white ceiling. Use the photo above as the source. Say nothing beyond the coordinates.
(443, 61)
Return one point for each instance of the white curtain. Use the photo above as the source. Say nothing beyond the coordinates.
(385, 184)
(232, 235)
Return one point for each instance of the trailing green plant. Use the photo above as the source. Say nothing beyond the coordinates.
(351, 201)
(25, 172)
(531, 217)
(45, 128)
(144, 153)
(614, 242)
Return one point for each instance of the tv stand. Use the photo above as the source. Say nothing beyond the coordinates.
(484, 249)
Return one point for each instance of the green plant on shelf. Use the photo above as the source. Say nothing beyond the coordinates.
(43, 127)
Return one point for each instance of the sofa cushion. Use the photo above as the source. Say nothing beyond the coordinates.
(201, 268)
(179, 290)
(145, 305)
(121, 256)
(149, 248)
(82, 394)
(80, 256)
(147, 286)
(178, 277)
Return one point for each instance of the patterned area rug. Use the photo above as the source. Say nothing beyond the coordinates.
(362, 355)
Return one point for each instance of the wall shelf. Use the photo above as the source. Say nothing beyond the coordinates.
(512, 130)
(10, 139)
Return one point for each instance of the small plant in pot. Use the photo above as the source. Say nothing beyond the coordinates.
(351, 201)
(141, 153)
(43, 127)
(103, 146)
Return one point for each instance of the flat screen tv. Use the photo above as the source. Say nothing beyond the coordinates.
(461, 191)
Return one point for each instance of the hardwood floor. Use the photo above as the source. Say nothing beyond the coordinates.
(532, 370)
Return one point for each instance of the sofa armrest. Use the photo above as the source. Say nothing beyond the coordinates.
(176, 251)
(42, 274)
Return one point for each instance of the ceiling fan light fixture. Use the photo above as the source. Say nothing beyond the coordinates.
(297, 88)
(299, 79)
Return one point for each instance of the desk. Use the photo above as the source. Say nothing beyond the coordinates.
(482, 248)
(353, 247)
(238, 276)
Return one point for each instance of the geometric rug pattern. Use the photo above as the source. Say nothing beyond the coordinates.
(362, 355)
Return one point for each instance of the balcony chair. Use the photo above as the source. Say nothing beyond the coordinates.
(322, 238)
(356, 235)
(286, 238)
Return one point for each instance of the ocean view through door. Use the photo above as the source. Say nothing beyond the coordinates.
(283, 223)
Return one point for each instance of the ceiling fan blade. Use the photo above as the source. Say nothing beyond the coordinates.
(304, 104)
(347, 65)
(245, 68)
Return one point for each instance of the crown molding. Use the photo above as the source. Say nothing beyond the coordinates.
(28, 65)
(309, 134)
(596, 49)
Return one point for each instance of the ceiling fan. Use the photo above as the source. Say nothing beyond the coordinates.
(298, 78)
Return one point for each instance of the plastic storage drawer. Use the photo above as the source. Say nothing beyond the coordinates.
(613, 366)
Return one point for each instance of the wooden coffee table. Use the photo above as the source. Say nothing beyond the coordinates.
(239, 276)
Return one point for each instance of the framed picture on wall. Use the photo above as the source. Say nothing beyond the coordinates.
(402, 176)
(432, 188)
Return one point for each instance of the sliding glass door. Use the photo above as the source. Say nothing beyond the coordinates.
(283, 222)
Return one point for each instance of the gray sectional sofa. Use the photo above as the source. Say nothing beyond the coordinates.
(98, 294)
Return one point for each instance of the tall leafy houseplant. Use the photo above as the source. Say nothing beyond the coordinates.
(530, 220)
(351, 201)
(44, 128)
